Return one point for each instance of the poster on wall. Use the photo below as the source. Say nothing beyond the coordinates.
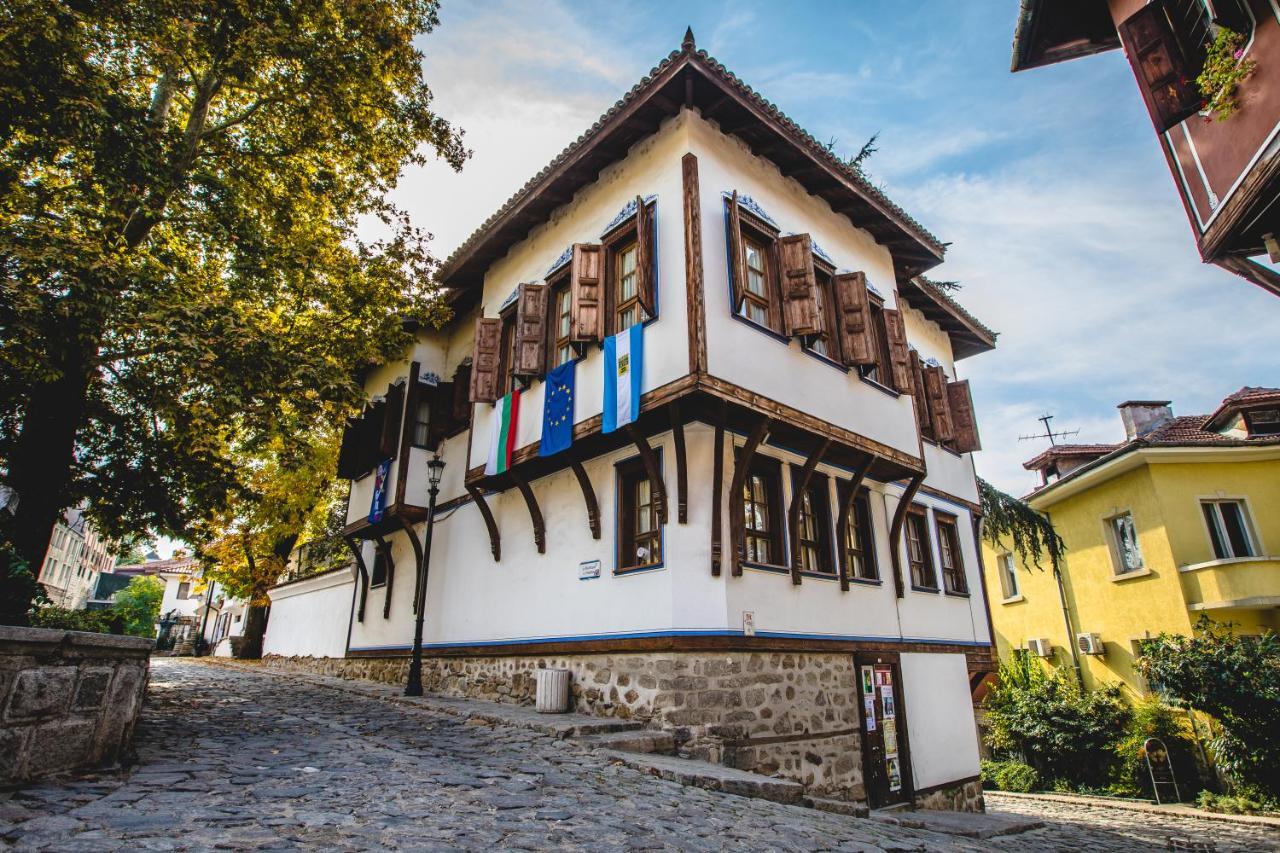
(868, 685)
(887, 709)
(890, 737)
(869, 712)
(378, 505)
(894, 772)
(884, 677)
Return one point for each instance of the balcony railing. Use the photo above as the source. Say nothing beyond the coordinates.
(317, 557)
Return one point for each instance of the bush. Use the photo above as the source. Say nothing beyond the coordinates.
(138, 604)
(1240, 803)
(1055, 726)
(1153, 718)
(1010, 776)
(94, 621)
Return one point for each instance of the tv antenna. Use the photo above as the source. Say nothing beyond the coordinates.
(1048, 432)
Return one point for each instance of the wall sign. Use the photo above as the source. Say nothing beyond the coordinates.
(748, 623)
(588, 570)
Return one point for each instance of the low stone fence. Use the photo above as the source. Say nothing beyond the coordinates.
(68, 700)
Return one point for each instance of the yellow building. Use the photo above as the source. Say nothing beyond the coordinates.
(1180, 519)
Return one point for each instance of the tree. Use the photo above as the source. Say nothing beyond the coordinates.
(1235, 679)
(185, 190)
(1029, 532)
(139, 605)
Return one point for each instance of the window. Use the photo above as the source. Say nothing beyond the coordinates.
(757, 304)
(627, 292)
(1228, 529)
(1263, 421)
(561, 325)
(953, 579)
(813, 525)
(762, 512)
(639, 534)
(184, 590)
(422, 419)
(378, 575)
(1125, 540)
(759, 292)
(827, 345)
(1008, 576)
(509, 380)
(857, 540)
(882, 371)
(919, 551)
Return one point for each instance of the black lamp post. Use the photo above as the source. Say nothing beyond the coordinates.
(435, 468)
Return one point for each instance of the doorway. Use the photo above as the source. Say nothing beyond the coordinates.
(886, 762)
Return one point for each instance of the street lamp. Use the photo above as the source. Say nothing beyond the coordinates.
(435, 468)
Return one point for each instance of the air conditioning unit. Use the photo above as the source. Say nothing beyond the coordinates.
(1041, 647)
(1090, 644)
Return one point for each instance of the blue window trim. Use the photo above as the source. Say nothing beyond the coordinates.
(825, 359)
(885, 389)
(617, 520)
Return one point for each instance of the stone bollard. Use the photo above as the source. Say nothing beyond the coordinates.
(553, 691)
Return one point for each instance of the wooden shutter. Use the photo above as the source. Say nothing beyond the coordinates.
(899, 353)
(531, 330)
(440, 401)
(586, 293)
(737, 255)
(935, 388)
(1166, 74)
(349, 454)
(646, 281)
(799, 285)
(923, 421)
(853, 304)
(371, 436)
(462, 395)
(486, 361)
(389, 443)
(963, 421)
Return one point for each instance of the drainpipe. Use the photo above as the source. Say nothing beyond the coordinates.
(1066, 620)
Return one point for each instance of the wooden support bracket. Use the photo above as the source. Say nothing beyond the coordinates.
(682, 472)
(358, 553)
(797, 500)
(417, 558)
(895, 532)
(846, 507)
(495, 541)
(385, 550)
(535, 514)
(736, 511)
(589, 498)
(650, 460)
(717, 487)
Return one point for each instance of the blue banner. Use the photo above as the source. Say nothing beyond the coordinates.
(557, 409)
(379, 503)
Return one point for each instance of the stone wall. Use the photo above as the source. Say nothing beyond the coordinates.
(68, 700)
(962, 797)
(786, 714)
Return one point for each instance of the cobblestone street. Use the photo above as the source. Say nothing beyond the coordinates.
(234, 759)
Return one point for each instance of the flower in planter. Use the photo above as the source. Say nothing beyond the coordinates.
(1224, 68)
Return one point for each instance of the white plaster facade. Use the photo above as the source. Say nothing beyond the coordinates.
(310, 617)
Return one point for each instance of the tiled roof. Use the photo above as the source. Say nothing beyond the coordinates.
(1058, 451)
(800, 136)
(185, 565)
(1246, 397)
(940, 294)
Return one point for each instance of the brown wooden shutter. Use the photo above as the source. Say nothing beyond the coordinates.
(531, 330)
(586, 293)
(799, 285)
(899, 353)
(923, 421)
(1166, 74)
(737, 254)
(349, 453)
(486, 361)
(964, 423)
(462, 395)
(389, 443)
(646, 283)
(935, 387)
(853, 303)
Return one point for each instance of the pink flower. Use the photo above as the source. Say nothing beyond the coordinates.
(1239, 53)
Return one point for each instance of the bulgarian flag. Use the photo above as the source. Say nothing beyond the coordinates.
(503, 438)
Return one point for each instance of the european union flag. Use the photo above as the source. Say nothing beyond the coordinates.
(557, 409)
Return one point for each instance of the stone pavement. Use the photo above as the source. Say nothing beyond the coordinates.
(237, 759)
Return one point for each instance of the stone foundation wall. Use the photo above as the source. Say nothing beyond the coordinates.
(793, 715)
(68, 700)
(964, 797)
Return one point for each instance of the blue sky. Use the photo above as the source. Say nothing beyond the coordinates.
(1066, 231)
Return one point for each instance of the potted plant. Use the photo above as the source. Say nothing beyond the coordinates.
(1224, 68)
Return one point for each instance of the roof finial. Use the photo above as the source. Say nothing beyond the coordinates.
(688, 44)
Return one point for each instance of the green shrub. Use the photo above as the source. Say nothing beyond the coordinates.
(1239, 803)
(94, 621)
(138, 604)
(1153, 718)
(1010, 776)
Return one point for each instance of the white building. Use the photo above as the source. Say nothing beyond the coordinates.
(76, 556)
(776, 560)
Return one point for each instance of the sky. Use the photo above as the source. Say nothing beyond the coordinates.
(1066, 232)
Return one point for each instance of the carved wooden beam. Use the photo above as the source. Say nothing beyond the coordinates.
(895, 532)
(417, 557)
(717, 487)
(588, 497)
(797, 499)
(736, 511)
(846, 507)
(682, 473)
(535, 514)
(385, 550)
(495, 540)
(650, 460)
(358, 553)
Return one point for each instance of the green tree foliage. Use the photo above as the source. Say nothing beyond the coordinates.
(1153, 718)
(106, 621)
(138, 604)
(1235, 679)
(1004, 517)
(187, 194)
(1056, 727)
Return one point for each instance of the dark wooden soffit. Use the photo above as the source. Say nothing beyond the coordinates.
(968, 335)
(1052, 31)
(689, 77)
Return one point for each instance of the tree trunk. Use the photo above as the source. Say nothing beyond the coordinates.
(255, 628)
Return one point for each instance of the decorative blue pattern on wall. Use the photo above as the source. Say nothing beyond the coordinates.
(506, 302)
(564, 258)
(820, 252)
(750, 204)
(628, 211)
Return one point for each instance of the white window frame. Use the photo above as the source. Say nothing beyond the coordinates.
(1010, 586)
(1246, 515)
(1121, 569)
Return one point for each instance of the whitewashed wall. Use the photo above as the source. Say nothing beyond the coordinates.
(170, 603)
(310, 617)
(940, 724)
